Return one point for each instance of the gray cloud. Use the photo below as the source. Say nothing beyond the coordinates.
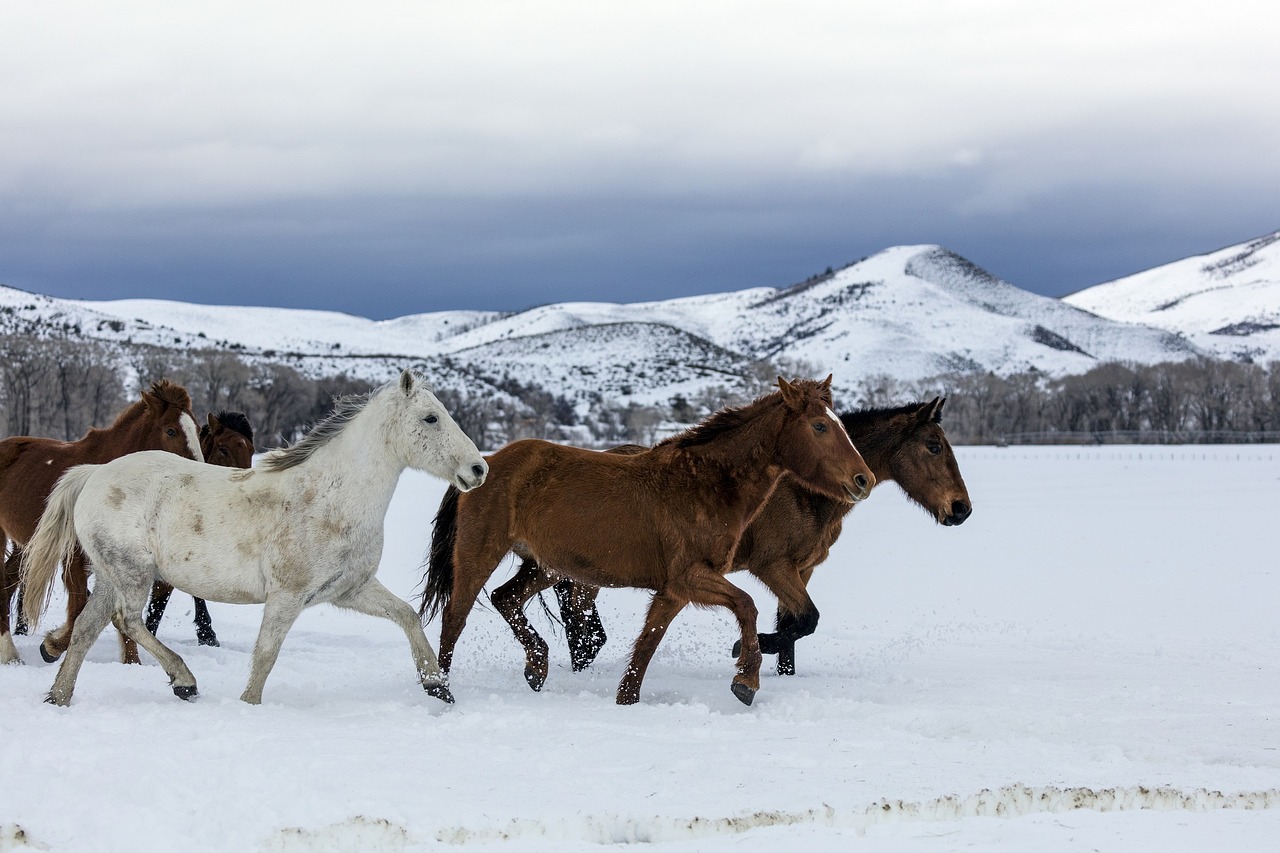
(412, 156)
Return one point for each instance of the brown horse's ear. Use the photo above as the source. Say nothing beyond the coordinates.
(153, 401)
(406, 381)
(931, 412)
(214, 423)
(825, 389)
(790, 394)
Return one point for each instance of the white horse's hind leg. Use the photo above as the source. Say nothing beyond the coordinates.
(278, 616)
(132, 626)
(94, 617)
(376, 600)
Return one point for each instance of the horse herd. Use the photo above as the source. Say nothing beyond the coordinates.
(152, 503)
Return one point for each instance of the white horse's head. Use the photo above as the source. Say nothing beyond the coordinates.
(428, 438)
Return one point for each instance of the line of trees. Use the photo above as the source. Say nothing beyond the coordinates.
(1188, 401)
(60, 387)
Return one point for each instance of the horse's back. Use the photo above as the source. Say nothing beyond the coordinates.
(29, 468)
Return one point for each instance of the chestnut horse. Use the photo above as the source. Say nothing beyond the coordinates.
(795, 530)
(668, 520)
(29, 467)
(227, 440)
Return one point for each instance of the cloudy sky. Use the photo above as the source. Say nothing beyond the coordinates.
(391, 158)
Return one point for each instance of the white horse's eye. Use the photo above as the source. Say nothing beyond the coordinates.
(431, 419)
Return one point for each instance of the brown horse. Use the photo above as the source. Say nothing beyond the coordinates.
(29, 467)
(668, 520)
(227, 440)
(794, 532)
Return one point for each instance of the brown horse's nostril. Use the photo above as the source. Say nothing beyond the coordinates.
(960, 511)
(861, 482)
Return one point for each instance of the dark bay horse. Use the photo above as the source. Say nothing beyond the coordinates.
(794, 532)
(227, 440)
(29, 467)
(668, 520)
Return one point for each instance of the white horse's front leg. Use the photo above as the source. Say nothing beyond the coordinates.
(376, 600)
(278, 616)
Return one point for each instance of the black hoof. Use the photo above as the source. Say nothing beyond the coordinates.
(535, 678)
(439, 691)
(209, 639)
(184, 693)
(48, 658)
(744, 693)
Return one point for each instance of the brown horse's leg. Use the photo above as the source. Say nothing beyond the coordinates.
(662, 609)
(794, 622)
(797, 615)
(509, 600)
(8, 586)
(469, 577)
(582, 626)
(160, 592)
(709, 589)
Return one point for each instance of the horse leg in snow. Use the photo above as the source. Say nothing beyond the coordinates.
(711, 589)
(160, 592)
(797, 615)
(76, 577)
(94, 617)
(509, 600)
(205, 635)
(662, 609)
(8, 585)
(376, 600)
(131, 625)
(582, 626)
(278, 615)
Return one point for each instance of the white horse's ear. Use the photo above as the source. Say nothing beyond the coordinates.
(406, 381)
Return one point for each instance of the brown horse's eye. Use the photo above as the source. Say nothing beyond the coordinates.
(819, 426)
(935, 449)
(172, 432)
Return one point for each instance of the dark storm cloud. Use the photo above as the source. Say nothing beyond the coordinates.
(414, 157)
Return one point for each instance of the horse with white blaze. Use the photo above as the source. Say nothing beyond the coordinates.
(303, 528)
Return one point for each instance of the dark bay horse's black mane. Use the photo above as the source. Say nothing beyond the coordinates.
(236, 421)
(861, 417)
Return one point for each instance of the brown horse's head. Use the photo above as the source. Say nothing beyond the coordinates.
(227, 440)
(813, 444)
(168, 421)
(917, 456)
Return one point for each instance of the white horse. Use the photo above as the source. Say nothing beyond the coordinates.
(303, 528)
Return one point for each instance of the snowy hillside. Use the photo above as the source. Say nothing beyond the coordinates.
(909, 312)
(1226, 302)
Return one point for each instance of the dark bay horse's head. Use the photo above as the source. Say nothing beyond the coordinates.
(919, 458)
(167, 421)
(227, 440)
(814, 447)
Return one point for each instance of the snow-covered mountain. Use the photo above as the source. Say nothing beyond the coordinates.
(1226, 302)
(909, 312)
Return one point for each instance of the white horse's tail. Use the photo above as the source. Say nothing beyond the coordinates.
(53, 542)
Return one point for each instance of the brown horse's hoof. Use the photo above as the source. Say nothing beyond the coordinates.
(186, 694)
(439, 691)
(536, 679)
(744, 693)
(49, 658)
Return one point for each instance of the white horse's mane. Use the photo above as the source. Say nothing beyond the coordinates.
(344, 411)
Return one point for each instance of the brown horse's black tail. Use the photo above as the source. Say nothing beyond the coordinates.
(439, 579)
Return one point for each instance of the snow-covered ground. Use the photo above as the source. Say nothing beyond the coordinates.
(1090, 662)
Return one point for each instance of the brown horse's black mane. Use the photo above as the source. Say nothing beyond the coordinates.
(236, 421)
(863, 417)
